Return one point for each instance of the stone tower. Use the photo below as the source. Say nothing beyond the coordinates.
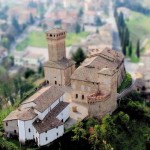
(58, 69)
(56, 44)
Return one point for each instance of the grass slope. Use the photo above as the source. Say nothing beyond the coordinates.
(37, 39)
(138, 25)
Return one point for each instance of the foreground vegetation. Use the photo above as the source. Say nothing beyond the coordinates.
(38, 39)
(125, 83)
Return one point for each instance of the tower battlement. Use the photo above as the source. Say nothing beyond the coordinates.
(56, 44)
(55, 34)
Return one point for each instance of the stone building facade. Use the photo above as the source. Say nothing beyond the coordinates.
(96, 81)
(58, 69)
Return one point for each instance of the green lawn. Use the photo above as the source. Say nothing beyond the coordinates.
(73, 38)
(139, 26)
(37, 39)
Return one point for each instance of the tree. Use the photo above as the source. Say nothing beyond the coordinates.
(80, 12)
(97, 140)
(15, 24)
(28, 73)
(78, 56)
(5, 42)
(138, 49)
(77, 28)
(124, 49)
(98, 21)
(130, 49)
(79, 132)
(31, 19)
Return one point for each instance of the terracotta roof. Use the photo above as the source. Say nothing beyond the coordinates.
(97, 97)
(86, 74)
(61, 64)
(21, 114)
(45, 97)
(107, 53)
(106, 71)
(50, 121)
(100, 63)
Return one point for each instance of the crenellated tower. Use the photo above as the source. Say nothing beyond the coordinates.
(58, 69)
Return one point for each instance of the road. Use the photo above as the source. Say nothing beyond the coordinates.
(115, 34)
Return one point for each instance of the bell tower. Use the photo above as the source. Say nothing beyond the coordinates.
(56, 44)
(58, 69)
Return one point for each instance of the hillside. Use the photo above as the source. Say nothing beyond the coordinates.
(138, 25)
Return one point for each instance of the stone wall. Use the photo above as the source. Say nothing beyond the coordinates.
(57, 76)
(99, 109)
(82, 89)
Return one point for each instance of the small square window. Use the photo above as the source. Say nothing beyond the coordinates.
(82, 96)
(76, 95)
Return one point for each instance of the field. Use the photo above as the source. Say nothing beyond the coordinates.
(37, 39)
(138, 25)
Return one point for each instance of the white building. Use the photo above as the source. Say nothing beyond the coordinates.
(41, 117)
(31, 57)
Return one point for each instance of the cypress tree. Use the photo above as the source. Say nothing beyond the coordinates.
(124, 50)
(138, 49)
(130, 49)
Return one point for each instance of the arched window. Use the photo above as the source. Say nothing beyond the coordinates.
(6, 124)
(55, 82)
(29, 130)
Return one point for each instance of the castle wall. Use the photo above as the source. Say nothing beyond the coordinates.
(121, 74)
(82, 89)
(99, 109)
(54, 76)
(58, 76)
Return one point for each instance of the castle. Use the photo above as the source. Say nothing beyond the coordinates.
(93, 84)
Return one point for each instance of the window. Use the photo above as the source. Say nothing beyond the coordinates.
(76, 95)
(57, 134)
(45, 131)
(55, 82)
(46, 138)
(29, 130)
(6, 124)
(15, 131)
(82, 96)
